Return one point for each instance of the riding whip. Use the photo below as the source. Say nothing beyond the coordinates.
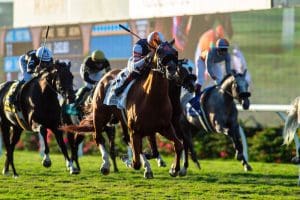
(44, 44)
(129, 31)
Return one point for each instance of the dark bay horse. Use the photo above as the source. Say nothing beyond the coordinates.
(148, 110)
(39, 110)
(220, 112)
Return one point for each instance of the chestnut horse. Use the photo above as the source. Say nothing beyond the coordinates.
(148, 110)
(39, 110)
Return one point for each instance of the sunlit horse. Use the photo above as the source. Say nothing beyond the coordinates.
(148, 110)
(220, 112)
(183, 79)
(39, 110)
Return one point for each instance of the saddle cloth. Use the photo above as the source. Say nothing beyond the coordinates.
(111, 98)
(201, 119)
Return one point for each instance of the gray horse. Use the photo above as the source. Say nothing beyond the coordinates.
(220, 113)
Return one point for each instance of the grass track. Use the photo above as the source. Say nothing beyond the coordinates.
(218, 179)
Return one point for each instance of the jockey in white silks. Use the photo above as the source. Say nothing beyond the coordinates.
(211, 61)
(239, 64)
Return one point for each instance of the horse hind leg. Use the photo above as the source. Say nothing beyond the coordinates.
(111, 134)
(5, 129)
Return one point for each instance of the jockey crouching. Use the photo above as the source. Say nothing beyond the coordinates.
(211, 60)
(91, 71)
(28, 63)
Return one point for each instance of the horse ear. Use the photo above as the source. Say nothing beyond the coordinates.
(172, 42)
(245, 72)
(233, 71)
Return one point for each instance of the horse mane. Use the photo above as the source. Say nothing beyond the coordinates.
(225, 78)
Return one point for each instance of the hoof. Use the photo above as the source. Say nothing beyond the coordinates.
(162, 163)
(247, 168)
(296, 160)
(5, 172)
(46, 163)
(239, 156)
(104, 171)
(183, 172)
(148, 175)
(116, 170)
(15, 176)
(74, 171)
(173, 173)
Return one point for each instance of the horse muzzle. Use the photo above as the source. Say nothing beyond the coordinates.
(243, 95)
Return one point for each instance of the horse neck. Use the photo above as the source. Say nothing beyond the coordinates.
(47, 86)
(226, 87)
(156, 86)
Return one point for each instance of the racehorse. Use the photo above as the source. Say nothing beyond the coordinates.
(39, 110)
(75, 139)
(183, 79)
(148, 110)
(220, 112)
(292, 122)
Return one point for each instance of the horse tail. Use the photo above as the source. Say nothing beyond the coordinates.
(86, 126)
(292, 122)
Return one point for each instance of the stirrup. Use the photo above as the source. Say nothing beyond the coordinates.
(191, 111)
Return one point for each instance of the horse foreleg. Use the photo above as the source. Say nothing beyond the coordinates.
(5, 129)
(148, 171)
(154, 152)
(237, 144)
(136, 144)
(60, 141)
(46, 159)
(169, 133)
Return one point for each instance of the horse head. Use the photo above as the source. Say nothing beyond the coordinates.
(60, 79)
(166, 57)
(184, 77)
(238, 88)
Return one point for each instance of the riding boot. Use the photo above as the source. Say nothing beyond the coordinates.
(194, 103)
(72, 109)
(130, 77)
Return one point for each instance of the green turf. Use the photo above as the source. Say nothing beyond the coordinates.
(217, 179)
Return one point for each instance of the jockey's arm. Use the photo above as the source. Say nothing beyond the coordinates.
(106, 65)
(227, 64)
(209, 64)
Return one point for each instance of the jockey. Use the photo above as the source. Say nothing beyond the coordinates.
(28, 63)
(211, 61)
(142, 55)
(44, 56)
(91, 71)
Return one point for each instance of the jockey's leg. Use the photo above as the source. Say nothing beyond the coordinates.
(133, 75)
